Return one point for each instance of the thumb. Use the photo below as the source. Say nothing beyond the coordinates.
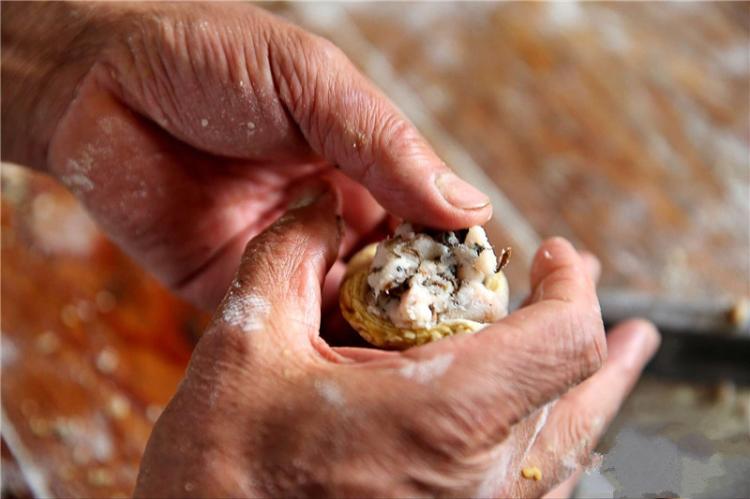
(276, 294)
(350, 123)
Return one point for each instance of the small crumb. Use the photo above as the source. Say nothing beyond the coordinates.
(39, 427)
(47, 342)
(81, 455)
(532, 473)
(85, 311)
(64, 429)
(739, 313)
(250, 126)
(69, 316)
(547, 255)
(204, 122)
(118, 407)
(107, 361)
(725, 393)
(105, 301)
(504, 258)
(66, 473)
(100, 477)
(28, 407)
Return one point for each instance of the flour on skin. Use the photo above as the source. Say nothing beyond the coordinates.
(502, 457)
(248, 312)
(330, 392)
(424, 371)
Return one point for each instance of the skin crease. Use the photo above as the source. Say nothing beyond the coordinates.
(187, 130)
(195, 180)
(274, 411)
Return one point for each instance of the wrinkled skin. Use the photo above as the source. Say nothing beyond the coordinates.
(268, 408)
(193, 126)
(187, 130)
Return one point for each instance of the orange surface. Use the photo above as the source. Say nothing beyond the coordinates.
(92, 348)
(621, 126)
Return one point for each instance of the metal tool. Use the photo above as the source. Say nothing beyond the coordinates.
(714, 317)
(703, 341)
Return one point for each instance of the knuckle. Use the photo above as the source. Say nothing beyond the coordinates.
(293, 65)
(588, 340)
(388, 133)
(141, 61)
(326, 52)
(395, 131)
(596, 349)
(594, 354)
(455, 429)
(392, 139)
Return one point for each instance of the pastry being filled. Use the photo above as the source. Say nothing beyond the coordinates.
(423, 285)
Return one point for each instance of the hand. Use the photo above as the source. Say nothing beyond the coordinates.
(269, 409)
(187, 128)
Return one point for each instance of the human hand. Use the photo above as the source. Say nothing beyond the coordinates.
(269, 409)
(187, 128)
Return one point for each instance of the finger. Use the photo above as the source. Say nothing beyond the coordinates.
(276, 294)
(349, 122)
(362, 214)
(580, 417)
(522, 435)
(510, 368)
(334, 329)
(331, 286)
(592, 264)
(559, 272)
(276, 93)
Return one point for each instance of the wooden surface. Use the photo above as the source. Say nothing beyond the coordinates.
(92, 349)
(623, 127)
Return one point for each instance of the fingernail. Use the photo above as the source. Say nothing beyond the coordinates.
(460, 194)
(308, 196)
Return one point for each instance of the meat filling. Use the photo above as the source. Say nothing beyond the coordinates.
(420, 279)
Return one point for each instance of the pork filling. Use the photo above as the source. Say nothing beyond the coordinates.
(422, 278)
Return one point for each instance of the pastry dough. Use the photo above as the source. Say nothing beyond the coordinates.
(355, 301)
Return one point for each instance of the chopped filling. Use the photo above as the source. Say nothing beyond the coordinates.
(420, 279)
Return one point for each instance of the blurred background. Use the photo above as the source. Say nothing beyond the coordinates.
(623, 127)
